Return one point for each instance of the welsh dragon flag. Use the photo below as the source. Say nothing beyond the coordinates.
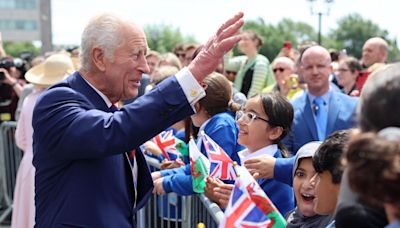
(199, 167)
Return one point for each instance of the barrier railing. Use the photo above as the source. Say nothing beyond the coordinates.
(172, 210)
(166, 211)
(10, 157)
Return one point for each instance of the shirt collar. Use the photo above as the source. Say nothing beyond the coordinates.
(324, 97)
(245, 154)
(202, 127)
(104, 97)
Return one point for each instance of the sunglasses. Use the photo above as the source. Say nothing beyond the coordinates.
(278, 69)
(180, 55)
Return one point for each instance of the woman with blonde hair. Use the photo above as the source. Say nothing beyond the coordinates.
(253, 69)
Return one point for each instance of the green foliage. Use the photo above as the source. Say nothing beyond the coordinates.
(16, 48)
(394, 52)
(163, 38)
(353, 31)
(275, 36)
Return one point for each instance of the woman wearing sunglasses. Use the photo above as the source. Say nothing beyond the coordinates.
(287, 82)
(263, 123)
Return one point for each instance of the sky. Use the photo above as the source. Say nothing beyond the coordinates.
(201, 18)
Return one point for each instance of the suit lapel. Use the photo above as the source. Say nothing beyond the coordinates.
(79, 84)
(140, 194)
(333, 113)
(308, 117)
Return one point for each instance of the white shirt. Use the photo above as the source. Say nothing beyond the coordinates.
(245, 154)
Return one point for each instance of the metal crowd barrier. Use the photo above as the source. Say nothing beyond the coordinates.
(10, 157)
(178, 211)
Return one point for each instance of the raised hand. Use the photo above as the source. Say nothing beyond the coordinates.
(212, 52)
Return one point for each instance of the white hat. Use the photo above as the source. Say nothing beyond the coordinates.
(54, 69)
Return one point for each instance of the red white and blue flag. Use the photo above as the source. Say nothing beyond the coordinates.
(166, 142)
(221, 164)
(249, 206)
(242, 211)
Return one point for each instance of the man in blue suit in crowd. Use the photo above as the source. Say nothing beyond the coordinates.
(320, 110)
(339, 113)
(83, 175)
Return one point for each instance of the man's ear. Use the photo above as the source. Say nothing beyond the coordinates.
(275, 133)
(98, 58)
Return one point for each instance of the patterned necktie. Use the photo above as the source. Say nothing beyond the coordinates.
(321, 117)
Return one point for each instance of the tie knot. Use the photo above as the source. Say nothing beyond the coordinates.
(319, 101)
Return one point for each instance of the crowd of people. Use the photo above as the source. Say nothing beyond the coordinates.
(318, 129)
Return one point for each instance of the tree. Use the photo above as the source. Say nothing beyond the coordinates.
(353, 31)
(163, 38)
(275, 36)
(15, 49)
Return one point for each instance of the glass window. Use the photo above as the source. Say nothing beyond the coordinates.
(28, 25)
(18, 4)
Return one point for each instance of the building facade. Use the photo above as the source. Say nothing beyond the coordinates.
(26, 20)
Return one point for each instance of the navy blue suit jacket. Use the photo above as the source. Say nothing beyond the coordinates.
(83, 178)
(341, 115)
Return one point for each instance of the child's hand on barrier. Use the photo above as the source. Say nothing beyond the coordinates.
(223, 193)
(156, 175)
(211, 183)
(158, 186)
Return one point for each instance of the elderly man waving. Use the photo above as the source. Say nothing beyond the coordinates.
(83, 176)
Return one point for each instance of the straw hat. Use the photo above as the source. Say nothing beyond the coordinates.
(55, 68)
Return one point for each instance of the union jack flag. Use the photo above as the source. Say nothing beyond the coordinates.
(242, 211)
(249, 206)
(166, 141)
(221, 163)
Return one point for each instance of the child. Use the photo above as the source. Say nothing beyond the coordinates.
(374, 170)
(213, 116)
(327, 164)
(304, 191)
(264, 122)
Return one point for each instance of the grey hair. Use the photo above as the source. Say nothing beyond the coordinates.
(284, 59)
(102, 31)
